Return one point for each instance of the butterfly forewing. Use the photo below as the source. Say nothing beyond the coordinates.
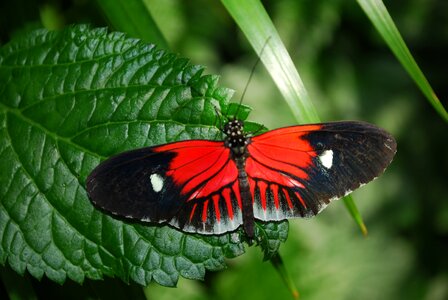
(296, 171)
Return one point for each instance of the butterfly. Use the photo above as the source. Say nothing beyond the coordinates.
(214, 187)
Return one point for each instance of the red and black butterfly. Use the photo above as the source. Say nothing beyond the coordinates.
(213, 187)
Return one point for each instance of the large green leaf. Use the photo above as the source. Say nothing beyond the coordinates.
(70, 99)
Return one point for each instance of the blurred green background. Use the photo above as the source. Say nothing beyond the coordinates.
(350, 74)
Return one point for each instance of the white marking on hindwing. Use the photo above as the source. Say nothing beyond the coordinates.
(156, 182)
(326, 158)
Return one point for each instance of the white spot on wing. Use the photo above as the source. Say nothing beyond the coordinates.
(326, 158)
(156, 182)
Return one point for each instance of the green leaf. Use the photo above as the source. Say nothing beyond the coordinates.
(70, 99)
(239, 111)
(378, 14)
(270, 236)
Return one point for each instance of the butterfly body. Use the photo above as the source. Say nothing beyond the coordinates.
(213, 187)
(237, 142)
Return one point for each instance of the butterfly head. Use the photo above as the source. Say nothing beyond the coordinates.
(235, 136)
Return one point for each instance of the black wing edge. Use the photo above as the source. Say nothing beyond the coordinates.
(121, 185)
(360, 153)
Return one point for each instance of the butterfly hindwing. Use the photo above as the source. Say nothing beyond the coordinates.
(296, 171)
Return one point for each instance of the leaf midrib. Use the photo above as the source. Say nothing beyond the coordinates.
(69, 140)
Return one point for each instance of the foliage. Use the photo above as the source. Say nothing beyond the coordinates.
(349, 73)
(69, 100)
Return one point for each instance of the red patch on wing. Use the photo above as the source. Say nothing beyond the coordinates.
(279, 154)
(262, 187)
(200, 167)
(204, 211)
(236, 190)
(226, 195)
(300, 199)
(192, 211)
(288, 199)
(274, 189)
(216, 206)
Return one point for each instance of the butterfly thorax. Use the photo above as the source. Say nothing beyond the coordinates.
(236, 138)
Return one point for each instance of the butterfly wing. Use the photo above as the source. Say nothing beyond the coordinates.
(191, 185)
(296, 171)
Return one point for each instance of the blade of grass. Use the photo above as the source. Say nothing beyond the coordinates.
(353, 210)
(278, 264)
(381, 19)
(133, 17)
(256, 25)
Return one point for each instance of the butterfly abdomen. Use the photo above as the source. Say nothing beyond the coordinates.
(246, 197)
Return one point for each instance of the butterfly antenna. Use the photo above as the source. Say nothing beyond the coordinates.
(251, 74)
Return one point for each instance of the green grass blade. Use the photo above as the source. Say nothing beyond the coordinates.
(378, 14)
(278, 264)
(133, 17)
(255, 23)
(354, 212)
